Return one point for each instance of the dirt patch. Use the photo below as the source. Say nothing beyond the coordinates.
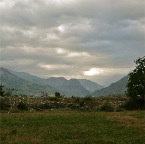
(127, 119)
(4, 131)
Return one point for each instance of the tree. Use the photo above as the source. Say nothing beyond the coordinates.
(5, 91)
(136, 85)
(57, 94)
(2, 92)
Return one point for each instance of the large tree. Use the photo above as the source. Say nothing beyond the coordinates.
(136, 85)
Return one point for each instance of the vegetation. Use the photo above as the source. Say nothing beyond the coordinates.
(5, 104)
(57, 94)
(20, 103)
(73, 127)
(2, 92)
(5, 91)
(136, 85)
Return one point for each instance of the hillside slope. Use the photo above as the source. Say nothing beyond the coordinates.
(73, 88)
(89, 85)
(22, 86)
(117, 88)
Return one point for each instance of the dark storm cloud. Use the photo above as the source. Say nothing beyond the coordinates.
(70, 37)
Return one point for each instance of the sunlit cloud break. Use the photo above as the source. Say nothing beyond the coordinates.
(93, 71)
(61, 28)
(71, 54)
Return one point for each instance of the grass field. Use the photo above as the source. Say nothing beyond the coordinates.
(73, 127)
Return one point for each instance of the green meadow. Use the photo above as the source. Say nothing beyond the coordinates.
(72, 127)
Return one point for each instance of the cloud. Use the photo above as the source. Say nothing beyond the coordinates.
(81, 38)
(61, 28)
(71, 54)
(93, 71)
(61, 51)
(78, 54)
(53, 67)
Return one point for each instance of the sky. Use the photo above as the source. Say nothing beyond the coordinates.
(86, 39)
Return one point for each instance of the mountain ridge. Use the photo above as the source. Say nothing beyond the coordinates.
(113, 79)
(72, 87)
(62, 84)
(90, 85)
(22, 86)
(117, 88)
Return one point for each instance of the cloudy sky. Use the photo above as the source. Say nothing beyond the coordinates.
(92, 39)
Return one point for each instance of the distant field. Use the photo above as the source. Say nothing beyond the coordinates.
(73, 127)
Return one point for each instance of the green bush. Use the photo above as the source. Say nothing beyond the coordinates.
(4, 104)
(41, 106)
(22, 106)
(88, 99)
(107, 107)
(133, 105)
(54, 99)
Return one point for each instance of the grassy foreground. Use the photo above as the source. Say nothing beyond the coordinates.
(73, 127)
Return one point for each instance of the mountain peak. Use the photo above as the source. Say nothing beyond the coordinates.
(57, 78)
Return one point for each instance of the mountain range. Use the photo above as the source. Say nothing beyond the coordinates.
(29, 84)
(22, 86)
(59, 83)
